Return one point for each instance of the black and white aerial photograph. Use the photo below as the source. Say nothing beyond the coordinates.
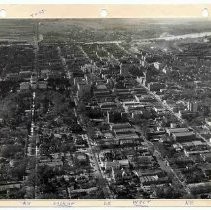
(105, 108)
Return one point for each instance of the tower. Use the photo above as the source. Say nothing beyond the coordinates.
(108, 117)
(120, 70)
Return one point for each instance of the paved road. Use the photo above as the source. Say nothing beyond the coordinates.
(166, 106)
(32, 134)
(162, 162)
(106, 190)
(99, 173)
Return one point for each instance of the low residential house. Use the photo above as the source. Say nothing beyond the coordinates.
(108, 135)
(83, 88)
(148, 180)
(151, 172)
(7, 187)
(184, 136)
(120, 126)
(206, 157)
(44, 73)
(206, 168)
(208, 121)
(108, 142)
(127, 105)
(1, 121)
(200, 188)
(152, 179)
(101, 86)
(121, 174)
(24, 86)
(186, 114)
(156, 86)
(81, 158)
(101, 93)
(153, 131)
(177, 147)
(157, 65)
(159, 109)
(12, 76)
(144, 98)
(26, 75)
(128, 139)
(107, 106)
(124, 163)
(141, 161)
(109, 165)
(197, 150)
(81, 192)
(139, 90)
(42, 85)
(171, 131)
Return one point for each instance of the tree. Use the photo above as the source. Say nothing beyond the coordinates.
(49, 195)
(81, 107)
(19, 170)
(91, 131)
(19, 194)
(9, 151)
(168, 192)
